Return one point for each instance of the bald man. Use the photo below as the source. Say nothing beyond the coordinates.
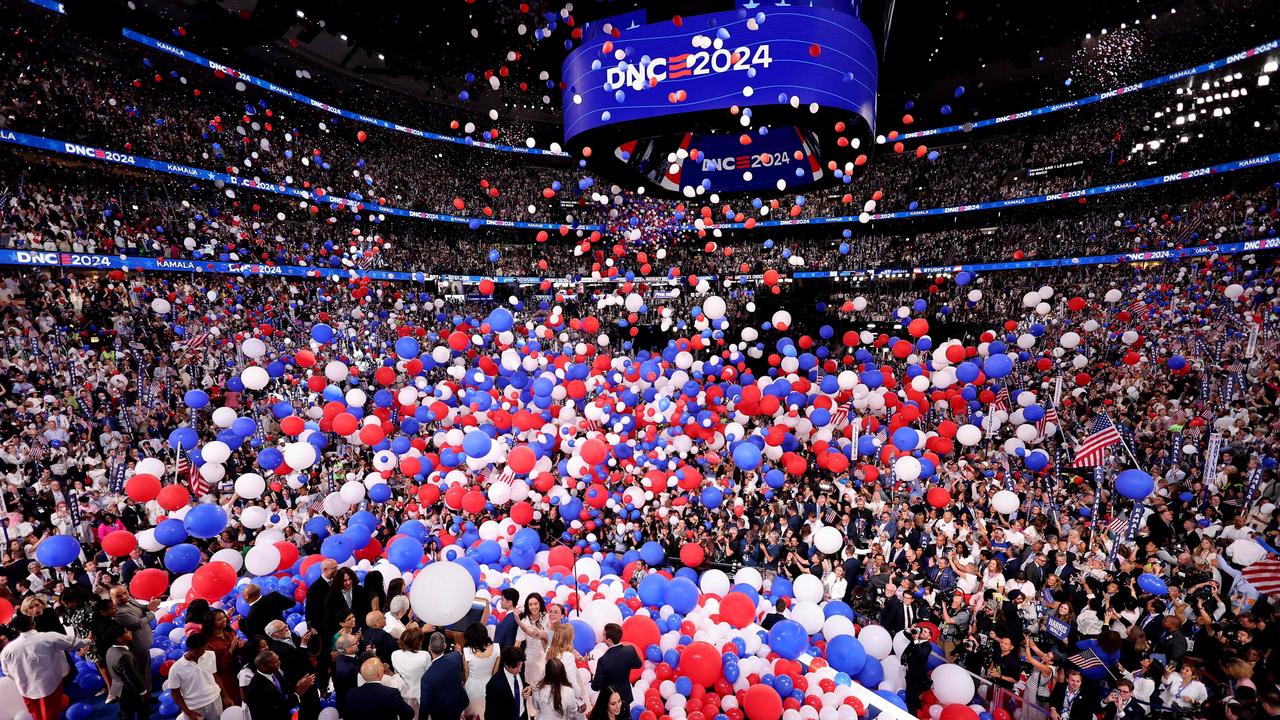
(373, 700)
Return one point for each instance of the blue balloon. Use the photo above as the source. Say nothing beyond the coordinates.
(182, 559)
(905, 438)
(681, 594)
(195, 399)
(997, 366)
(477, 443)
(322, 333)
(788, 639)
(584, 638)
(58, 551)
(652, 554)
(337, 548)
(170, 532)
(652, 589)
(183, 439)
(846, 654)
(872, 673)
(205, 520)
(407, 348)
(1134, 484)
(1153, 584)
(746, 456)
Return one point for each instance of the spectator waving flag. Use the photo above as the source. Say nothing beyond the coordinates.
(38, 448)
(195, 342)
(1264, 575)
(1092, 451)
(1003, 401)
(195, 481)
(1086, 660)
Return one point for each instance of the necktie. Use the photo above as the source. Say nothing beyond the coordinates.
(276, 679)
(515, 685)
(1066, 705)
(906, 613)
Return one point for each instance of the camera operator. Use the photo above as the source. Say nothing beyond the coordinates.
(915, 658)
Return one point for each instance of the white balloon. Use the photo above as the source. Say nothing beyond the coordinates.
(952, 684)
(808, 588)
(441, 593)
(149, 466)
(250, 486)
(876, 641)
(907, 468)
(262, 559)
(1005, 503)
(254, 377)
(216, 451)
(828, 540)
(749, 576)
(160, 306)
(714, 582)
(223, 417)
(300, 455)
(253, 348)
(969, 435)
(808, 614)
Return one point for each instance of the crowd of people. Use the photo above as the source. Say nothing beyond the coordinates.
(1049, 493)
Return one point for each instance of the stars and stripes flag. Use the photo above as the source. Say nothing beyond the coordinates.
(1086, 660)
(1138, 307)
(195, 481)
(194, 342)
(1050, 416)
(1264, 575)
(506, 477)
(1117, 525)
(1092, 451)
(1003, 401)
(841, 416)
(38, 448)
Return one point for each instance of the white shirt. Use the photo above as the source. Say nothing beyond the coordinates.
(410, 666)
(194, 680)
(37, 662)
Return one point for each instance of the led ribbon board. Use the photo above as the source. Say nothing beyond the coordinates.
(639, 89)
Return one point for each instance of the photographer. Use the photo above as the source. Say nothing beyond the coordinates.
(915, 658)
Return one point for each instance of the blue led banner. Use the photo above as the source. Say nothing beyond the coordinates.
(1253, 162)
(1081, 102)
(798, 71)
(170, 168)
(299, 97)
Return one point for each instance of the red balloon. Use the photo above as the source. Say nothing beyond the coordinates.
(957, 711)
(6, 611)
(640, 631)
(288, 554)
(762, 702)
(150, 583)
(119, 543)
(594, 451)
(371, 434)
(522, 512)
(560, 556)
(692, 555)
(701, 662)
(142, 488)
(173, 497)
(305, 358)
(213, 580)
(737, 609)
(473, 501)
(345, 423)
(292, 425)
(938, 497)
(522, 459)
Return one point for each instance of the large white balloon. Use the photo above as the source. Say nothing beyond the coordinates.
(876, 641)
(215, 452)
(441, 593)
(749, 576)
(714, 582)
(254, 377)
(1005, 502)
(808, 588)
(262, 559)
(952, 684)
(250, 486)
(828, 540)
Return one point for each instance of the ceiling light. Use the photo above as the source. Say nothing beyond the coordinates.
(301, 14)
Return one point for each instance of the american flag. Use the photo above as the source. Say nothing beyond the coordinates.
(1003, 401)
(1117, 525)
(1102, 435)
(506, 477)
(1264, 575)
(194, 342)
(38, 448)
(1050, 416)
(195, 481)
(1086, 660)
(1138, 307)
(840, 417)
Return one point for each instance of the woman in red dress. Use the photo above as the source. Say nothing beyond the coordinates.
(223, 643)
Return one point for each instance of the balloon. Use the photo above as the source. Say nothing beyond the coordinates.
(1153, 584)
(1005, 502)
(876, 641)
(762, 702)
(441, 593)
(681, 594)
(737, 609)
(213, 580)
(205, 521)
(1134, 484)
(952, 684)
(788, 639)
(58, 551)
(692, 554)
(143, 488)
(828, 540)
(119, 543)
(845, 653)
(702, 662)
(262, 559)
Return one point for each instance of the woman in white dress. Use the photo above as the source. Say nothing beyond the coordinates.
(410, 663)
(562, 649)
(533, 635)
(553, 696)
(480, 661)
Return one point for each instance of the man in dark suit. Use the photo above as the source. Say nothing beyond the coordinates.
(375, 636)
(506, 697)
(346, 668)
(775, 617)
(900, 612)
(442, 694)
(318, 597)
(373, 700)
(268, 695)
(292, 651)
(505, 634)
(1172, 642)
(1121, 705)
(615, 666)
(262, 610)
(1071, 700)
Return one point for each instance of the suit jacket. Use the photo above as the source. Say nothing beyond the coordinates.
(266, 702)
(137, 619)
(293, 661)
(381, 642)
(1084, 707)
(271, 606)
(1152, 626)
(1173, 645)
(317, 597)
(375, 701)
(613, 669)
(505, 634)
(499, 703)
(1132, 711)
(125, 678)
(443, 696)
(336, 605)
(893, 617)
(346, 674)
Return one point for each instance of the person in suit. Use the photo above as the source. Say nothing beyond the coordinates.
(346, 667)
(1170, 640)
(614, 667)
(506, 696)
(262, 610)
(373, 700)
(1070, 700)
(375, 636)
(318, 596)
(1151, 621)
(126, 681)
(269, 696)
(346, 595)
(442, 693)
(778, 615)
(504, 636)
(1120, 704)
(137, 618)
(900, 612)
(295, 655)
(915, 658)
